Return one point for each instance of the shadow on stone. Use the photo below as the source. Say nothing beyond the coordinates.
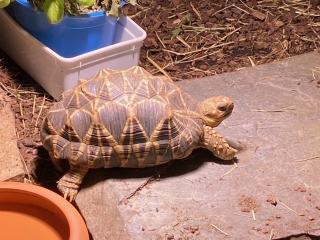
(47, 175)
(300, 237)
(167, 170)
(45, 172)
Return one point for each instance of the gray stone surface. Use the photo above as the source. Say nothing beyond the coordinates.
(273, 192)
(11, 166)
(98, 205)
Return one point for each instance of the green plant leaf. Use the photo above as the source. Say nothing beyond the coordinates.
(54, 10)
(4, 3)
(115, 9)
(86, 3)
(175, 32)
(132, 2)
(186, 20)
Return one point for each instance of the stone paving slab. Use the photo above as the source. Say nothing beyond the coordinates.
(272, 192)
(98, 205)
(11, 167)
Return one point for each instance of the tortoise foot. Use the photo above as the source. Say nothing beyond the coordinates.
(68, 190)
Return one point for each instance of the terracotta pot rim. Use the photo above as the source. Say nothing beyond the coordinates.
(76, 224)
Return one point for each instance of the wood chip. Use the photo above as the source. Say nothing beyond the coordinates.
(257, 14)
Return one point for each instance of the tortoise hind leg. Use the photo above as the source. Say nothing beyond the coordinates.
(69, 184)
(217, 144)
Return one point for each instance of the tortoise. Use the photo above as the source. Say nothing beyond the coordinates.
(129, 119)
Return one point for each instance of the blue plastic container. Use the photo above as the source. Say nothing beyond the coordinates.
(73, 36)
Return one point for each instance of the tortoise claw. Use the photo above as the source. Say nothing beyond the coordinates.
(68, 185)
(69, 192)
(70, 195)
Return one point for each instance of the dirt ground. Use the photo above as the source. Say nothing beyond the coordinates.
(191, 39)
(186, 39)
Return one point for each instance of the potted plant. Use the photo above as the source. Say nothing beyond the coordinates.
(55, 9)
(69, 27)
(58, 55)
(4, 3)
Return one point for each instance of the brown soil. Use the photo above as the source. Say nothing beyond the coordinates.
(248, 204)
(190, 39)
(186, 39)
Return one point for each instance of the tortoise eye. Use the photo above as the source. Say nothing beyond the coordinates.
(222, 107)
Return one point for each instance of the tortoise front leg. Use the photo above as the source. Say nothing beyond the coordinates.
(69, 184)
(217, 144)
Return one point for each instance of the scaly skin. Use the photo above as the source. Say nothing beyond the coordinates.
(69, 184)
(217, 144)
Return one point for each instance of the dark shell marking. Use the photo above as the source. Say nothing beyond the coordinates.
(122, 119)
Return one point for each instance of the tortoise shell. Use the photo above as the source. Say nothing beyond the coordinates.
(122, 119)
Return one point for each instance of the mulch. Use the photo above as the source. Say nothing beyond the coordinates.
(191, 39)
(186, 39)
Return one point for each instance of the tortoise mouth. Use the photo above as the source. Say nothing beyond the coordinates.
(228, 110)
(227, 113)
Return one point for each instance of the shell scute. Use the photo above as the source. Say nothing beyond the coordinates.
(94, 159)
(56, 118)
(151, 158)
(116, 80)
(113, 161)
(190, 103)
(105, 153)
(130, 79)
(176, 127)
(75, 100)
(163, 151)
(59, 144)
(77, 153)
(123, 152)
(113, 117)
(167, 88)
(150, 113)
(133, 133)
(131, 162)
(144, 90)
(131, 82)
(141, 150)
(176, 101)
(127, 99)
(110, 91)
(179, 146)
(93, 86)
(97, 135)
(162, 132)
(155, 83)
(81, 122)
(68, 133)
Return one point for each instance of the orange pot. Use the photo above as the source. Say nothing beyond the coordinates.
(30, 212)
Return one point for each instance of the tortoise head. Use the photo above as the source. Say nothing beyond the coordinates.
(215, 109)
